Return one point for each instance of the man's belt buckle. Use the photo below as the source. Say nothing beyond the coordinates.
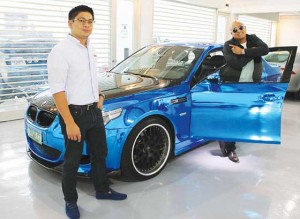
(90, 106)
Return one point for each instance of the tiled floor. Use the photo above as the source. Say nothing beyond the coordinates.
(197, 185)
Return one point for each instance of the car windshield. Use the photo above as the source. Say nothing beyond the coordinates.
(163, 62)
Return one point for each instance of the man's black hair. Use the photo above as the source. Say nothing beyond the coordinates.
(80, 8)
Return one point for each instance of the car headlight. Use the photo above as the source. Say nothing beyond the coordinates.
(110, 115)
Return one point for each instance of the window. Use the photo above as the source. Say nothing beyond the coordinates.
(28, 31)
(181, 21)
(258, 26)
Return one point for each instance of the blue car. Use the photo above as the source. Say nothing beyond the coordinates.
(162, 101)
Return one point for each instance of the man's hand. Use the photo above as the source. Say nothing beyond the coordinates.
(73, 132)
(236, 50)
(100, 103)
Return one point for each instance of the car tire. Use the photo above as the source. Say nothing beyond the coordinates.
(147, 149)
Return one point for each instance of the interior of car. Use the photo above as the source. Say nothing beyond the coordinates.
(211, 63)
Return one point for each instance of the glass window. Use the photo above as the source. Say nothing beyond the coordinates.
(28, 31)
(181, 21)
(164, 62)
(258, 26)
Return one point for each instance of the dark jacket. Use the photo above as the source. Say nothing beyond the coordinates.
(235, 63)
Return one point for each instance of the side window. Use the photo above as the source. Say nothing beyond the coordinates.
(212, 63)
(210, 67)
(274, 65)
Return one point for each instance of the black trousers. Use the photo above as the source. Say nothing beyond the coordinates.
(92, 129)
(230, 146)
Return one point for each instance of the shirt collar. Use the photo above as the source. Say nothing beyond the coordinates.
(76, 41)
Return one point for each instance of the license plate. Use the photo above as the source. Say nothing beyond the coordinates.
(35, 134)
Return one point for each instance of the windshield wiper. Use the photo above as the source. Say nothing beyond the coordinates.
(145, 76)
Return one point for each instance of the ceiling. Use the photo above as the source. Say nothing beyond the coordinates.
(284, 7)
(267, 6)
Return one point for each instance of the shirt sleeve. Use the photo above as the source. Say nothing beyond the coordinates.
(57, 66)
(258, 48)
(235, 61)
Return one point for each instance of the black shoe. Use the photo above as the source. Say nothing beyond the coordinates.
(233, 157)
(223, 149)
(72, 210)
(111, 194)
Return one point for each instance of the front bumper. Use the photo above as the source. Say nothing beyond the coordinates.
(50, 152)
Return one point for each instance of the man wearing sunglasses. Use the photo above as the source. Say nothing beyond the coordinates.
(244, 64)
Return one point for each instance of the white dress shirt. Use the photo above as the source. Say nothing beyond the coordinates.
(72, 68)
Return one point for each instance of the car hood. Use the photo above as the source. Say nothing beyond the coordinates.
(117, 85)
(113, 86)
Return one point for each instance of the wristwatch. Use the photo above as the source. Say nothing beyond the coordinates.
(101, 94)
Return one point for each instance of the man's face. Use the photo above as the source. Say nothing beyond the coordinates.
(238, 31)
(82, 26)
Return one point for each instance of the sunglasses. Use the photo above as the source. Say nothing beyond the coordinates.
(236, 29)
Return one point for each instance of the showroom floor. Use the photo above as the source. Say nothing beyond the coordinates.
(199, 184)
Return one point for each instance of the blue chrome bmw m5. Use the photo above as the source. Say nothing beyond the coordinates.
(163, 100)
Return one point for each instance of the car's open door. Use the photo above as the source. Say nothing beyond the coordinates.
(249, 112)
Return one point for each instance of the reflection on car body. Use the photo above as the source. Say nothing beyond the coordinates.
(161, 101)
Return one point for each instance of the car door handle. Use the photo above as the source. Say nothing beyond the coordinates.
(269, 97)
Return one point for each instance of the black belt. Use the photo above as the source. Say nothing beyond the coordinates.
(86, 107)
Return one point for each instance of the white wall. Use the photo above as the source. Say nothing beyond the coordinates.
(145, 26)
(208, 3)
(266, 6)
(288, 31)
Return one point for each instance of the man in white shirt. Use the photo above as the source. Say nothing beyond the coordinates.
(243, 54)
(74, 86)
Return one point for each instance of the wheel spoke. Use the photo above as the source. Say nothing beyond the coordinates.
(151, 148)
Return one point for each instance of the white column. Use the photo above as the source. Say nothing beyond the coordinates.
(143, 23)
